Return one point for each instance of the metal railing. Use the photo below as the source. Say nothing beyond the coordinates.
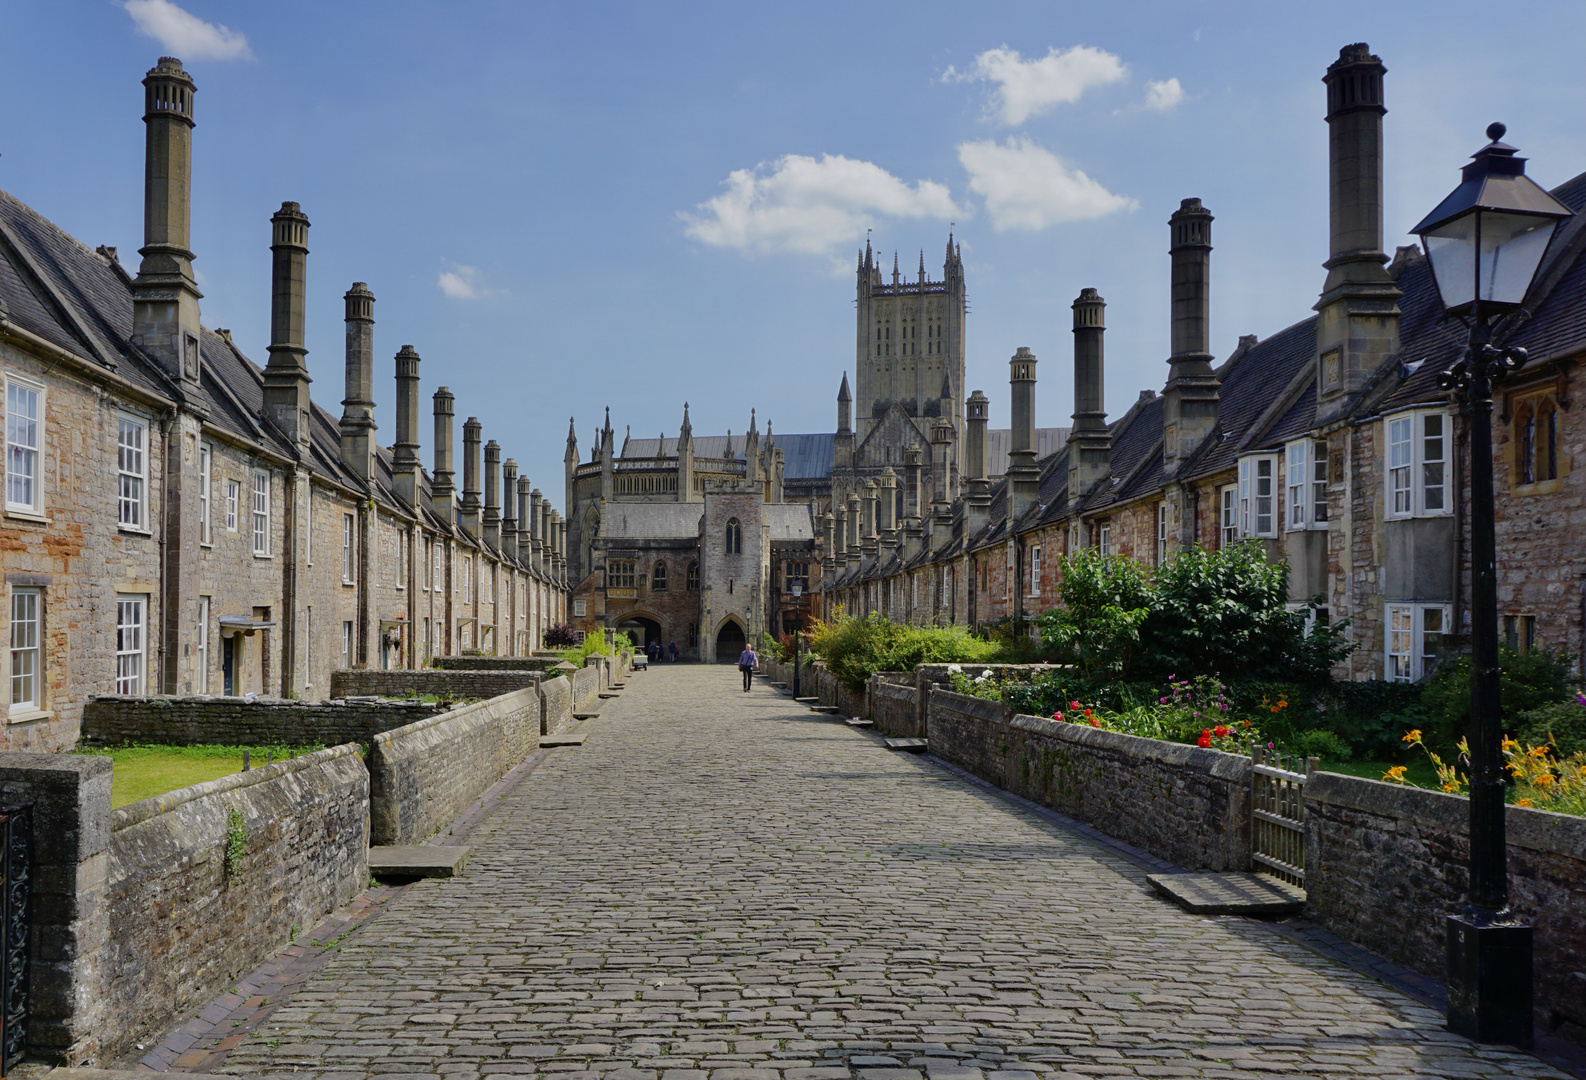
(1277, 813)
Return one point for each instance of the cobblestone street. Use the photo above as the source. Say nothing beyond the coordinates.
(725, 886)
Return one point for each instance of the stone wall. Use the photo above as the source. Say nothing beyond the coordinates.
(895, 707)
(556, 706)
(1185, 804)
(180, 929)
(831, 691)
(444, 684)
(1384, 863)
(113, 720)
(495, 663)
(424, 775)
(586, 686)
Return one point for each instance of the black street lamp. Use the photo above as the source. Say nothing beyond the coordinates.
(798, 630)
(1485, 242)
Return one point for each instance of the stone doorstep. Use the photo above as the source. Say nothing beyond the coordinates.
(579, 716)
(609, 694)
(859, 722)
(1230, 894)
(547, 741)
(829, 710)
(807, 700)
(413, 861)
(913, 746)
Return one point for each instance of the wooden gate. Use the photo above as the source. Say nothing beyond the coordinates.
(1277, 813)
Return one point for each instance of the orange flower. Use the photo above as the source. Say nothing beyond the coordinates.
(1395, 774)
(1522, 802)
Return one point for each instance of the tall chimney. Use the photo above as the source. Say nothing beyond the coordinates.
(1189, 401)
(492, 518)
(911, 485)
(164, 296)
(851, 534)
(559, 542)
(525, 533)
(1089, 442)
(405, 453)
(941, 525)
(536, 531)
(829, 538)
(509, 506)
(357, 414)
(469, 512)
(1358, 331)
(286, 378)
(442, 488)
(977, 501)
(547, 541)
(867, 520)
(1024, 476)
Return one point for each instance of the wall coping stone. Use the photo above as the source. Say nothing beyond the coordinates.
(1218, 763)
(156, 805)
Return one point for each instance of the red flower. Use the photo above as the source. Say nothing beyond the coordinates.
(1093, 721)
(1073, 705)
(1222, 732)
(1058, 717)
(1205, 739)
(1087, 712)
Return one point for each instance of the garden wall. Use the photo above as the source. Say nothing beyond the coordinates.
(1185, 804)
(473, 683)
(423, 775)
(556, 706)
(831, 691)
(180, 929)
(496, 663)
(1384, 863)
(113, 720)
(895, 706)
(586, 685)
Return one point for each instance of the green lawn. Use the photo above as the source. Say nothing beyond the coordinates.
(1420, 771)
(141, 772)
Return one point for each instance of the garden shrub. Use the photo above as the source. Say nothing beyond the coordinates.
(1526, 681)
(855, 648)
(560, 636)
(1563, 724)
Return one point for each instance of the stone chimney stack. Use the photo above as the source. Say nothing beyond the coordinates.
(1189, 401)
(868, 536)
(1089, 442)
(164, 295)
(357, 413)
(977, 501)
(468, 514)
(286, 380)
(851, 532)
(1359, 329)
(492, 517)
(941, 525)
(509, 506)
(1024, 476)
(522, 523)
(405, 453)
(547, 540)
(559, 543)
(829, 543)
(442, 488)
(536, 531)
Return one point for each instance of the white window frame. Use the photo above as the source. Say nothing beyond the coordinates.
(1228, 509)
(402, 558)
(206, 537)
(346, 645)
(132, 624)
(349, 567)
(201, 649)
(26, 647)
(1258, 502)
(24, 443)
(1413, 458)
(233, 504)
(132, 473)
(1035, 570)
(468, 576)
(260, 506)
(1404, 652)
(1305, 485)
(1104, 538)
(1161, 532)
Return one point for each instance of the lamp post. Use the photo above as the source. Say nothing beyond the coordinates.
(1485, 242)
(798, 629)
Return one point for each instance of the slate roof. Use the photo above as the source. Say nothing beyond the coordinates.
(1048, 441)
(651, 521)
(788, 521)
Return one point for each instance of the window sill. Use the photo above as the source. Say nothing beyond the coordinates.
(21, 514)
(28, 716)
(262, 555)
(133, 530)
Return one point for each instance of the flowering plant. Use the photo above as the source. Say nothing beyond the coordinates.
(1538, 775)
(1080, 713)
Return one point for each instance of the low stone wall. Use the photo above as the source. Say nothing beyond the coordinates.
(468, 683)
(113, 720)
(832, 691)
(495, 663)
(556, 706)
(1185, 804)
(895, 705)
(929, 675)
(180, 928)
(1384, 863)
(424, 775)
(586, 686)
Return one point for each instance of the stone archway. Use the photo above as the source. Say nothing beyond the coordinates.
(730, 641)
(641, 629)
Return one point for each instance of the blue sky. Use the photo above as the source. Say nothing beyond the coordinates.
(564, 207)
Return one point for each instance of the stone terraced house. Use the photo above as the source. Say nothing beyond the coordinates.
(179, 520)
(1329, 441)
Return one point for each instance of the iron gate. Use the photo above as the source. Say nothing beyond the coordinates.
(16, 851)
(1277, 813)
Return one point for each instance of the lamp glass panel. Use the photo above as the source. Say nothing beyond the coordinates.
(1452, 249)
(1511, 248)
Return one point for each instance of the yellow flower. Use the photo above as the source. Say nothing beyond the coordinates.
(1413, 736)
(1282, 704)
(1510, 744)
(1537, 751)
(1522, 802)
(1543, 780)
(1395, 774)
(1451, 786)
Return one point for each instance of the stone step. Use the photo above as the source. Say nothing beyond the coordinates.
(912, 746)
(417, 861)
(859, 722)
(547, 741)
(1230, 894)
(609, 694)
(828, 709)
(585, 715)
(807, 700)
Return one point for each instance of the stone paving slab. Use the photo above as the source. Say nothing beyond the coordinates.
(1229, 894)
(417, 860)
(719, 890)
(552, 741)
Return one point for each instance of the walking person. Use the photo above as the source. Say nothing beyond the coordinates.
(747, 662)
(674, 652)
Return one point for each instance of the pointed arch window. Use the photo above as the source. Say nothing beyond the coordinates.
(734, 537)
(658, 578)
(1536, 441)
(693, 576)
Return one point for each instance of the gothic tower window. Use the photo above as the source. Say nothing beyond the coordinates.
(734, 537)
(658, 578)
(693, 576)
(1536, 441)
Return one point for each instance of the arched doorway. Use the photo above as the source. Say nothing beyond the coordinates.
(641, 630)
(729, 642)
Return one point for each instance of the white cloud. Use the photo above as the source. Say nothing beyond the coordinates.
(1163, 96)
(1027, 88)
(810, 205)
(460, 282)
(1028, 187)
(185, 34)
